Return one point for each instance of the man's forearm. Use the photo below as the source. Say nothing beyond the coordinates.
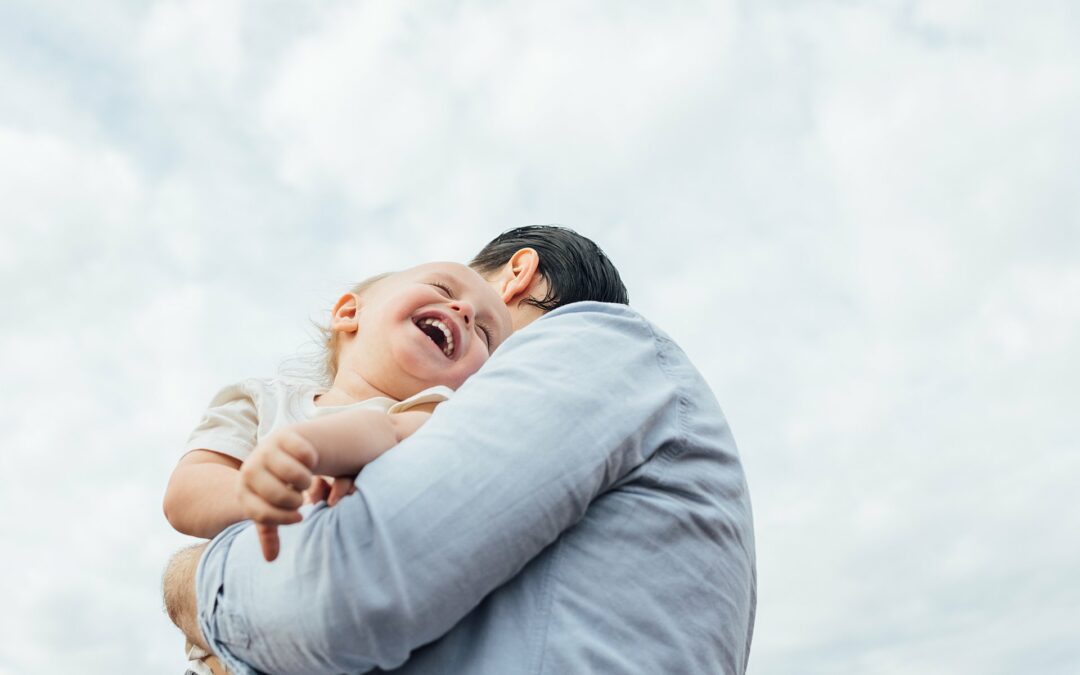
(347, 441)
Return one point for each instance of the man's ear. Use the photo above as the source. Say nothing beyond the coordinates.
(519, 277)
(346, 315)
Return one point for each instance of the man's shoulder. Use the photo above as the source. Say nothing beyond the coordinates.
(621, 329)
(591, 335)
(588, 307)
(605, 318)
(597, 317)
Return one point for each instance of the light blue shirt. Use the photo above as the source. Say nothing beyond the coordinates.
(578, 507)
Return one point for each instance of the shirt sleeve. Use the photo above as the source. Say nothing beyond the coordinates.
(230, 424)
(557, 416)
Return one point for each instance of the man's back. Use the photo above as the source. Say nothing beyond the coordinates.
(658, 577)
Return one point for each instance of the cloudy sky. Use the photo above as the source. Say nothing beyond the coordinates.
(860, 219)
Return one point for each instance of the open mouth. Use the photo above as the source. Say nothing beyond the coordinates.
(439, 333)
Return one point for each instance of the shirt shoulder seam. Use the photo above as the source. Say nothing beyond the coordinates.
(663, 345)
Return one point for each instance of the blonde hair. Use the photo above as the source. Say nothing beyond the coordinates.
(330, 339)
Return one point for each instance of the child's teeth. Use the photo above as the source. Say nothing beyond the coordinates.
(448, 348)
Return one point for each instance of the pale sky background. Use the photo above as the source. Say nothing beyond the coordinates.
(860, 219)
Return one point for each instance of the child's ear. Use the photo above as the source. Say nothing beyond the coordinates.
(518, 276)
(346, 315)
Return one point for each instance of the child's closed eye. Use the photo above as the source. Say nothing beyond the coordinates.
(486, 332)
(443, 287)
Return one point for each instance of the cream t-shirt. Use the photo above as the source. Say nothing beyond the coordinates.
(242, 414)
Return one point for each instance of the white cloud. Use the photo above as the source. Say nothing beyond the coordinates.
(192, 49)
(858, 219)
(387, 103)
(57, 191)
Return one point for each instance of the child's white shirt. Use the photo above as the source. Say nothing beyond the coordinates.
(242, 414)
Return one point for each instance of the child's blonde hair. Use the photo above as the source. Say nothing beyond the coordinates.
(331, 339)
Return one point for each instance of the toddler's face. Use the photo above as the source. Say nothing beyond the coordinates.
(432, 324)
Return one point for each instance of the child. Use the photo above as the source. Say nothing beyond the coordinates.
(397, 345)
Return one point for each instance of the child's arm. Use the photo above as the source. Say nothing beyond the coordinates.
(274, 477)
(202, 497)
(348, 441)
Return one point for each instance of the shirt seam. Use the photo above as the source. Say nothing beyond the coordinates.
(671, 450)
(547, 599)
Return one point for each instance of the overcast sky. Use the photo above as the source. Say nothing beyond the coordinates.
(860, 219)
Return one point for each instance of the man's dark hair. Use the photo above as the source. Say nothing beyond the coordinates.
(574, 266)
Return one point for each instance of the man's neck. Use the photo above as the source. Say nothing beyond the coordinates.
(523, 313)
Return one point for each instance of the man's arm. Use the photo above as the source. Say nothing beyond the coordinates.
(563, 411)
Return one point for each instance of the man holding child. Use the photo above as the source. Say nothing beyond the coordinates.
(577, 506)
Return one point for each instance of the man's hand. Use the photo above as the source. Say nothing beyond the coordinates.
(272, 484)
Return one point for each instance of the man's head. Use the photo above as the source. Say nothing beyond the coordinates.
(538, 268)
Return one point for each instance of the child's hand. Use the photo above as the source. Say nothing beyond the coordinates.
(322, 490)
(342, 486)
(319, 490)
(272, 484)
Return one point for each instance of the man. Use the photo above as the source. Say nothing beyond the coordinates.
(578, 506)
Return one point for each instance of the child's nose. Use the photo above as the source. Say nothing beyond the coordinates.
(463, 308)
